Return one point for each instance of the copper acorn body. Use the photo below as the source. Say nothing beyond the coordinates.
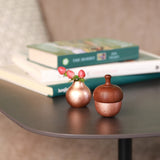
(108, 98)
(78, 95)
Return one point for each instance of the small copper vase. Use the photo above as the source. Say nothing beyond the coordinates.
(108, 98)
(78, 95)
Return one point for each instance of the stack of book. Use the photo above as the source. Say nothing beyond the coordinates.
(37, 70)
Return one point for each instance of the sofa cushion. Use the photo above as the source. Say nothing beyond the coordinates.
(21, 23)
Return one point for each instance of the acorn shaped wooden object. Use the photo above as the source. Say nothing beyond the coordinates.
(108, 98)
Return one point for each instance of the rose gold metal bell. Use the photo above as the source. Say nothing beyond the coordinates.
(108, 98)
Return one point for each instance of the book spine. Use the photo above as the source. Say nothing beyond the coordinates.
(61, 89)
(98, 57)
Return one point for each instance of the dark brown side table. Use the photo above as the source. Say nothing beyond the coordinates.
(139, 115)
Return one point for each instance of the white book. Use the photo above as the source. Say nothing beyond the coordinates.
(38, 72)
(147, 63)
(15, 75)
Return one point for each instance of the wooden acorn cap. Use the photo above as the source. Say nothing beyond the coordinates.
(108, 93)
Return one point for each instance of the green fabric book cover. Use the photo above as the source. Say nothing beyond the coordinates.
(82, 52)
(92, 83)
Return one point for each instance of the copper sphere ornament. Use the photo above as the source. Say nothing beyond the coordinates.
(108, 98)
(78, 95)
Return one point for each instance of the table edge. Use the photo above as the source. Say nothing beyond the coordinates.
(79, 136)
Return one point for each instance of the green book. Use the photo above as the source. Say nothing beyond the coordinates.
(92, 83)
(82, 52)
(15, 75)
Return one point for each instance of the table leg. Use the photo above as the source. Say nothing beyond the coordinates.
(125, 149)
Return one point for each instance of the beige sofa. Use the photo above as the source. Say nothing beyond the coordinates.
(22, 22)
(129, 20)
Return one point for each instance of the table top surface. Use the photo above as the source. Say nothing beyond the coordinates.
(139, 115)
